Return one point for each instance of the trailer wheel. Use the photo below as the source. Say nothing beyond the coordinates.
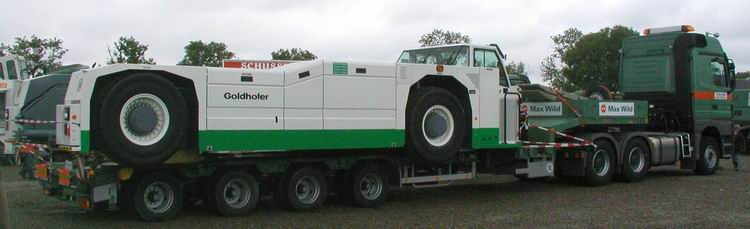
(304, 189)
(143, 120)
(157, 197)
(368, 187)
(233, 193)
(708, 158)
(600, 93)
(436, 126)
(636, 160)
(599, 164)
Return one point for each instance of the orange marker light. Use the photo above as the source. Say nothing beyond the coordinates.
(74, 117)
(688, 28)
(85, 203)
(439, 68)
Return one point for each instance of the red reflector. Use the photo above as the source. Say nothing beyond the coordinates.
(63, 177)
(85, 203)
(41, 171)
(67, 130)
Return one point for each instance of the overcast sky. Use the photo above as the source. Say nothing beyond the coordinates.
(375, 30)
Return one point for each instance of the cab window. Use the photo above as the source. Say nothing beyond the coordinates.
(486, 58)
(718, 73)
(451, 55)
(11, 67)
(2, 74)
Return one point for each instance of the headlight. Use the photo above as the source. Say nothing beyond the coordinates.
(7, 114)
(66, 114)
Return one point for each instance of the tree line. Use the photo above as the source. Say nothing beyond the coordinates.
(578, 61)
(44, 55)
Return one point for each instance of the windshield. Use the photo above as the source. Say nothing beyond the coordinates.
(456, 55)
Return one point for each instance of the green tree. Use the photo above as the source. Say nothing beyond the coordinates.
(743, 75)
(42, 55)
(129, 50)
(550, 67)
(293, 54)
(593, 59)
(440, 37)
(211, 54)
(516, 68)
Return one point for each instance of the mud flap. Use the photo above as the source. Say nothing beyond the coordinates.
(571, 164)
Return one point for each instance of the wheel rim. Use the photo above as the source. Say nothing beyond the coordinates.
(307, 189)
(144, 119)
(636, 159)
(710, 156)
(437, 125)
(371, 186)
(596, 96)
(158, 197)
(237, 193)
(601, 162)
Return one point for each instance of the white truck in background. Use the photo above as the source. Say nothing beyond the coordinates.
(12, 74)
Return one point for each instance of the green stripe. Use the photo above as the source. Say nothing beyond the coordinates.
(488, 138)
(85, 141)
(257, 140)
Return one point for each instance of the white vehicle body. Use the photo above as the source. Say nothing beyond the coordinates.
(318, 104)
(12, 75)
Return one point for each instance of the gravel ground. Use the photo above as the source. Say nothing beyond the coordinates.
(667, 198)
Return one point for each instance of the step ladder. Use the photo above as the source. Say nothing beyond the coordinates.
(685, 147)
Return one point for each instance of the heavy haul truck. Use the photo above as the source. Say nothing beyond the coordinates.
(146, 137)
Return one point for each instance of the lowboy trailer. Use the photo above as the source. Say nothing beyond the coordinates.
(146, 137)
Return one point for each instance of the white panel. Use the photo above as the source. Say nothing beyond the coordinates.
(245, 118)
(303, 119)
(305, 94)
(359, 92)
(359, 119)
(387, 70)
(511, 114)
(234, 76)
(402, 98)
(292, 71)
(245, 96)
(489, 95)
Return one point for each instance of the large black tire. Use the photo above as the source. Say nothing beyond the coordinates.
(153, 126)
(708, 157)
(368, 187)
(445, 121)
(232, 193)
(303, 189)
(600, 93)
(157, 197)
(636, 160)
(600, 164)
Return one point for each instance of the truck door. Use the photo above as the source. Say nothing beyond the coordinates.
(496, 109)
(711, 94)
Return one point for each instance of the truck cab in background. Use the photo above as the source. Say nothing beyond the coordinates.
(12, 73)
